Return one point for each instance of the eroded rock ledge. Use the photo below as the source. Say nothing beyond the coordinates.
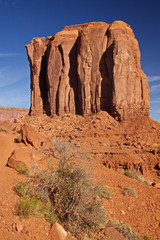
(10, 113)
(86, 68)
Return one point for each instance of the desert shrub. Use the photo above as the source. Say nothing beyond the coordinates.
(124, 229)
(2, 129)
(68, 192)
(24, 189)
(29, 206)
(129, 191)
(148, 238)
(71, 192)
(48, 212)
(107, 192)
(22, 168)
(133, 174)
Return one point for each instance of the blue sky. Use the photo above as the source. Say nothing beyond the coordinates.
(21, 20)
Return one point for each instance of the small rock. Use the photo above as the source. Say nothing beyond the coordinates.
(57, 232)
(123, 212)
(19, 227)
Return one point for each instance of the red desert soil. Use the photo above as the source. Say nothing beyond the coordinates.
(112, 146)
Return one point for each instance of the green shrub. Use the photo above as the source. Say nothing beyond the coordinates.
(129, 191)
(148, 238)
(124, 229)
(134, 175)
(22, 168)
(29, 206)
(47, 211)
(107, 192)
(24, 189)
(2, 129)
(68, 194)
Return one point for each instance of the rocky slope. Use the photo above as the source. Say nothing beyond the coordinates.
(8, 113)
(111, 146)
(87, 68)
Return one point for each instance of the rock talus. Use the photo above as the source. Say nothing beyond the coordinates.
(86, 68)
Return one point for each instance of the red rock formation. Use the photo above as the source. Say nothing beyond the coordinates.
(8, 113)
(86, 68)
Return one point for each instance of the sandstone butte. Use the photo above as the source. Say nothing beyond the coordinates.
(86, 68)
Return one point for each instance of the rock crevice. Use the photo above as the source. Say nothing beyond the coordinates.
(87, 68)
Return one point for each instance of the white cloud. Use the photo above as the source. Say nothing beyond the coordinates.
(153, 78)
(155, 88)
(9, 54)
(155, 101)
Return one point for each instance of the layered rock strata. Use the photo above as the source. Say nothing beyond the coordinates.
(86, 68)
(9, 113)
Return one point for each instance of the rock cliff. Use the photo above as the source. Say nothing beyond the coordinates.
(8, 113)
(86, 68)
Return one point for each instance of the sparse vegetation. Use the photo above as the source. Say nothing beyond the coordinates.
(124, 229)
(2, 129)
(134, 175)
(107, 192)
(63, 194)
(22, 168)
(29, 206)
(24, 189)
(148, 238)
(129, 191)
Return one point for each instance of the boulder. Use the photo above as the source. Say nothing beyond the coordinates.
(31, 136)
(57, 232)
(21, 158)
(86, 68)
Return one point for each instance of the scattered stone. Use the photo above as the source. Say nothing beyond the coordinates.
(123, 212)
(19, 227)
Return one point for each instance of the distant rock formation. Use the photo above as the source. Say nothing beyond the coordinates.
(9, 113)
(86, 68)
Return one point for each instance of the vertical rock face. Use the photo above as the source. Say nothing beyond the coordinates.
(86, 68)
